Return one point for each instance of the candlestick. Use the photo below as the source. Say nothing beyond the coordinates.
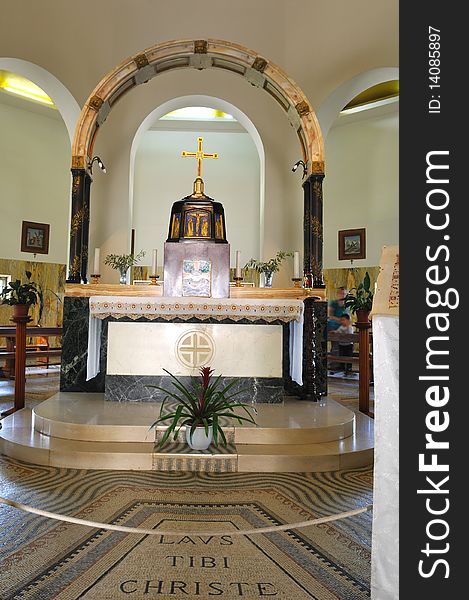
(95, 279)
(154, 279)
(154, 262)
(238, 280)
(296, 282)
(238, 263)
(296, 265)
(97, 252)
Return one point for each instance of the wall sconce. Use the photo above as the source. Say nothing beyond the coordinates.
(100, 164)
(297, 164)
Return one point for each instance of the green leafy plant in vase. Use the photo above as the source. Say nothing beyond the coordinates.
(123, 262)
(22, 295)
(269, 267)
(199, 408)
(360, 299)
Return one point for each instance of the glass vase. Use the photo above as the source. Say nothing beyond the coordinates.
(123, 276)
(268, 277)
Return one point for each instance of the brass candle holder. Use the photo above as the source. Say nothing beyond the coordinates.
(95, 279)
(238, 281)
(154, 279)
(296, 282)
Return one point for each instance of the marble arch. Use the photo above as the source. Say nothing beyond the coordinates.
(197, 54)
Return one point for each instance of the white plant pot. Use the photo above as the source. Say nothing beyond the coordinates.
(199, 439)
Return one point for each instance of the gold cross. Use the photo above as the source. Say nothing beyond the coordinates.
(199, 155)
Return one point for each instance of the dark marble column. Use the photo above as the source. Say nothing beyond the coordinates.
(75, 348)
(313, 238)
(79, 226)
(314, 350)
(85, 230)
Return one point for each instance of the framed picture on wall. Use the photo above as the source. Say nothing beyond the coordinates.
(352, 244)
(35, 237)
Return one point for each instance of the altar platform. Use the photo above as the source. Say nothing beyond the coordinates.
(84, 431)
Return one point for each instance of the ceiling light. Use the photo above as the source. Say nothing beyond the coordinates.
(20, 86)
(28, 95)
(356, 109)
(198, 113)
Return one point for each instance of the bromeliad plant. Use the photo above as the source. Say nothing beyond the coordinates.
(200, 405)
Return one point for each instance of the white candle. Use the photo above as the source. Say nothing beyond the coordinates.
(238, 263)
(154, 262)
(97, 252)
(296, 265)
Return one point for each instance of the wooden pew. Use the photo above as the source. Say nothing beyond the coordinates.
(33, 350)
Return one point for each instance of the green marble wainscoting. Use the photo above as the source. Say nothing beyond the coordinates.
(349, 278)
(51, 278)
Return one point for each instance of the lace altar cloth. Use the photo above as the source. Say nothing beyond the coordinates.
(235, 309)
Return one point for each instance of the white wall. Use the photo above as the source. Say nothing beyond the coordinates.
(162, 177)
(361, 187)
(34, 180)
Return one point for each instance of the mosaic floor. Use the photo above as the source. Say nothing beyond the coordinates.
(41, 559)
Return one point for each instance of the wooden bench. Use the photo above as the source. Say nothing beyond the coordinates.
(344, 338)
(36, 350)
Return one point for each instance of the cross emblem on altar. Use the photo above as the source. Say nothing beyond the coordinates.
(194, 349)
(199, 155)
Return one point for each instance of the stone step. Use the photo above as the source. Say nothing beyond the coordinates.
(88, 417)
(19, 440)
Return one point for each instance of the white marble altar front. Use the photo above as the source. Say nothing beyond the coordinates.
(146, 348)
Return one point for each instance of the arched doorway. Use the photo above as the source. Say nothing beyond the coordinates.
(38, 119)
(246, 139)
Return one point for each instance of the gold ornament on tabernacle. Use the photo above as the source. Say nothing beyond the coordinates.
(219, 227)
(176, 226)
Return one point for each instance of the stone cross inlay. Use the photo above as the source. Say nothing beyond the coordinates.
(194, 349)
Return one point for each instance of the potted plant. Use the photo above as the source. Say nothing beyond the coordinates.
(198, 408)
(123, 262)
(269, 267)
(22, 295)
(360, 299)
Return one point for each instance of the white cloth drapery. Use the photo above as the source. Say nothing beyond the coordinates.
(385, 546)
(236, 309)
